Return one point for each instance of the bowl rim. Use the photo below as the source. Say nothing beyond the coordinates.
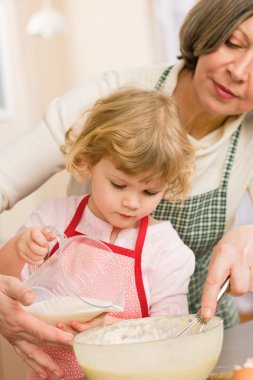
(89, 331)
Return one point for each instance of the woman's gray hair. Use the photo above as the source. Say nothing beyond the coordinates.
(208, 25)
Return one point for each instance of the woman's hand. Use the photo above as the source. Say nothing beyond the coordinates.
(24, 331)
(232, 256)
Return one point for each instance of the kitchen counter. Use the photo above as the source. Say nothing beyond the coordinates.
(237, 347)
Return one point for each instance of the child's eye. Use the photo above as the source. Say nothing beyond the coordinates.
(150, 193)
(117, 185)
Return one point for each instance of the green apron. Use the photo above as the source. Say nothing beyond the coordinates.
(200, 222)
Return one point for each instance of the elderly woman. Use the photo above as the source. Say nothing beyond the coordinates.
(213, 86)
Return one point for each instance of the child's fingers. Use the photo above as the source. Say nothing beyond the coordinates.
(79, 326)
(37, 250)
(49, 234)
(65, 328)
(33, 251)
(83, 326)
(38, 237)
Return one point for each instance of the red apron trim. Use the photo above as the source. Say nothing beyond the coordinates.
(138, 272)
(77, 216)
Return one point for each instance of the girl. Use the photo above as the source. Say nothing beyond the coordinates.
(135, 152)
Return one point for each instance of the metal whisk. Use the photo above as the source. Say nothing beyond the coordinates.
(198, 322)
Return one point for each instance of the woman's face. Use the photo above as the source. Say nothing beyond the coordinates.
(223, 79)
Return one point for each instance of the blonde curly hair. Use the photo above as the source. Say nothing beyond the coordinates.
(141, 131)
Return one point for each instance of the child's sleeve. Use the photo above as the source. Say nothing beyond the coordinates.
(170, 277)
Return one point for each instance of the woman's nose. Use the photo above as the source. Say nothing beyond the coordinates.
(240, 69)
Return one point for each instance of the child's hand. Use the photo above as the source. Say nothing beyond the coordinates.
(32, 245)
(75, 327)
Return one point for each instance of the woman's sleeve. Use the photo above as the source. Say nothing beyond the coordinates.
(33, 158)
(250, 191)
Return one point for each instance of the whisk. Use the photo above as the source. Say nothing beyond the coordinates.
(198, 322)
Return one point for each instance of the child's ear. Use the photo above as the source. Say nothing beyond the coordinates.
(87, 170)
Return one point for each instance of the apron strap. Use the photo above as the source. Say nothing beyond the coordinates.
(230, 157)
(161, 81)
(138, 272)
(73, 223)
(77, 216)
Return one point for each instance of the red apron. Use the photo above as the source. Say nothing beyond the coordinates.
(135, 298)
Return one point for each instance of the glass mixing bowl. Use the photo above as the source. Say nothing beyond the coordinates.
(148, 349)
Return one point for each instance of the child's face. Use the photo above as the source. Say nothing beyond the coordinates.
(121, 199)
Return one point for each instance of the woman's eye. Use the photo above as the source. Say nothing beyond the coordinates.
(233, 45)
(117, 185)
